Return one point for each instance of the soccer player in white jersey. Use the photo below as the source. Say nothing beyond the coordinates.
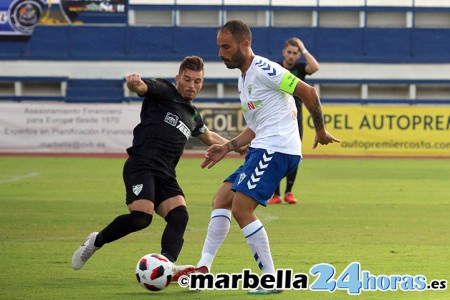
(265, 90)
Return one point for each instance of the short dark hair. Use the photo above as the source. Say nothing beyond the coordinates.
(193, 63)
(291, 42)
(238, 29)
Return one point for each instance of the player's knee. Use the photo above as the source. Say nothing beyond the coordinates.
(236, 214)
(140, 220)
(240, 216)
(178, 218)
(224, 196)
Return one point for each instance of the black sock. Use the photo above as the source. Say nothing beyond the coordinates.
(172, 239)
(277, 191)
(290, 179)
(123, 225)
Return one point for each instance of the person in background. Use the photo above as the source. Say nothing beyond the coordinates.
(292, 51)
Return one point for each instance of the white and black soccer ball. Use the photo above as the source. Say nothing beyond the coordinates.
(154, 272)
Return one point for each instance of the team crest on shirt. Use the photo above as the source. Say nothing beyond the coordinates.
(137, 188)
(249, 89)
(241, 177)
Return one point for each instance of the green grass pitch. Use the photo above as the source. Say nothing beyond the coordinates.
(391, 215)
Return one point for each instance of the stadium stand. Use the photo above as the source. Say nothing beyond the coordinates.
(370, 51)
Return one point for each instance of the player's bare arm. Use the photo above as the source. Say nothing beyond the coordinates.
(312, 103)
(311, 100)
(242, 140)
(210, 138)
(216, 152)
(136, 84)
(312, 65)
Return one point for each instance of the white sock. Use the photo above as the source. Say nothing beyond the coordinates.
(218, 228)
(258, 241)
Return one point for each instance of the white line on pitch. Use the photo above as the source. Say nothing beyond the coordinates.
(15, 178)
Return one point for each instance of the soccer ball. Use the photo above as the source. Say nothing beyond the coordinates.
(154, 272)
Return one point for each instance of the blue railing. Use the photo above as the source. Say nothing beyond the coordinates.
(136, 43)
(112, 91)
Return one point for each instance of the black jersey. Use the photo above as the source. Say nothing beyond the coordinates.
(299, 70)
(167, 122)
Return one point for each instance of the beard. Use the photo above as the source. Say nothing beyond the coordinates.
(290, 62)
(236, 61)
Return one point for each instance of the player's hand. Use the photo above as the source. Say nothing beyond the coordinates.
(133, 79)
(300, 44)
(324, 138)
(135, 84)
(213, 155)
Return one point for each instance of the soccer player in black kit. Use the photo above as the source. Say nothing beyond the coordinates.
(167, 120)
(292, 51)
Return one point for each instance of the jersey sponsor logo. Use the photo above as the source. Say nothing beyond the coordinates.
(175, 121)
(266, 67)
(184, 129)
(251, 105)
(171, 119)
(137, 188)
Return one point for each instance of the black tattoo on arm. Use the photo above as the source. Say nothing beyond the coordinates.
(317, 116)
(233, 145)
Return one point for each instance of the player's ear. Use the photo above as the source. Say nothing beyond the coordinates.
(245, 44)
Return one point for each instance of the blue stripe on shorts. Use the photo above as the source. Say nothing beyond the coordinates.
(262, 172)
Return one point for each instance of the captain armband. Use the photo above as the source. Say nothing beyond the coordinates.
(289, 83)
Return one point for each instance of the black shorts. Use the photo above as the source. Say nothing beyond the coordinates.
(142, 183)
